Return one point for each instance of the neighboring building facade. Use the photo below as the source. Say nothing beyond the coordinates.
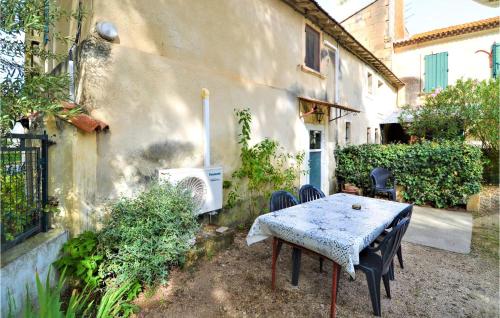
(438, 58)
(278, 58)
(377, 26)
(424, 61)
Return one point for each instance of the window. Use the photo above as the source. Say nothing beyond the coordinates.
(377, 136)
(368, 134)
(314, 139)
(312, 48)
(347, 132)
(436, 71)
(495, 57)
(380, 84)
(369, 82)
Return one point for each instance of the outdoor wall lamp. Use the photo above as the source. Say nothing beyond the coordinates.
(315, 111)
(319, 114)
(107, 30)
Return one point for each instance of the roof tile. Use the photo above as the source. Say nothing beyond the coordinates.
(453, 30)
(83, 121)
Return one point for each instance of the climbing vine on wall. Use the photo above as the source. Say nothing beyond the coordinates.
(265, 167)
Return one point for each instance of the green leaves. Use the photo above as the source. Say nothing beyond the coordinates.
(50, 300)
(265, 167)
(442, 174)
(467, 110)
(27, 89)
(147, 235)
(141, 240)
(80, 258)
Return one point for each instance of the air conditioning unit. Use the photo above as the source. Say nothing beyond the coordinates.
(205, 185)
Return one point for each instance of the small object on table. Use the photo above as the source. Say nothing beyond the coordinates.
(356, 206)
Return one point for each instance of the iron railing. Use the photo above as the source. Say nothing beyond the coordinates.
(23, 187)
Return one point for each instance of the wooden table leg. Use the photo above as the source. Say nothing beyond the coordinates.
(275, 258)
(335, 279)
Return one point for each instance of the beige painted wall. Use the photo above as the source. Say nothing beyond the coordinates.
(147, 86)
(374, 107)
(72, 174)
(371, 27)
(463, 61)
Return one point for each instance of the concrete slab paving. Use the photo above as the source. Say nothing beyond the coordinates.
(446, 230)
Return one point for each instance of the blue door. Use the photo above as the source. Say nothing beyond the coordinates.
(315, 140)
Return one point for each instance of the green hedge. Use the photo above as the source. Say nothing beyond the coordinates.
(441, 174)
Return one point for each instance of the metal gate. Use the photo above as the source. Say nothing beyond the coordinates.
(23, 187)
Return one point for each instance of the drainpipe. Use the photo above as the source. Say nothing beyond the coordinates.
(337, 71)
(71, 73)
(72, 54)
(205, 94)
(337, 68)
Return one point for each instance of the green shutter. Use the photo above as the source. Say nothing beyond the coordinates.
(442, 72)
(436, 71)
(429, 73)
(495, 56)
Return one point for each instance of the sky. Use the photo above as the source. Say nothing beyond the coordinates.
(420, 15)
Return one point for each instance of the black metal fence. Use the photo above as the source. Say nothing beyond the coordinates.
(23, 187)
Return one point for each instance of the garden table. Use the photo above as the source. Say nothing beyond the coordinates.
(329, 227)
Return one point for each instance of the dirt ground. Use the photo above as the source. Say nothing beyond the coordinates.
(434, 283)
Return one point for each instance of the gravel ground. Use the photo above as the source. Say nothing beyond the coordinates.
(434, 283)
(236, 283)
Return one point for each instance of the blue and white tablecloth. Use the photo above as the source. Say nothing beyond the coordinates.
(330, 226)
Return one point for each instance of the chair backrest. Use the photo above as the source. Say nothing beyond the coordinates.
(391, 242)
(308, 192)
(380, 176)
(404, 214)
(281, 200)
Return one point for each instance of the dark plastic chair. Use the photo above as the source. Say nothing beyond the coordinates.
(377, 266)
(380, 178)
(308, 192)
(281, 200)
(404, 214)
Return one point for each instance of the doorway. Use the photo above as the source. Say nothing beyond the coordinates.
(316, 156)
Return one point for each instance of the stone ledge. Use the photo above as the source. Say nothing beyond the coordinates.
(30, 244)
(208, 243)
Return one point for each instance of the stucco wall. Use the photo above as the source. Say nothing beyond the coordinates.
(72, 175)
(374, 107)
(463, 61)
(147, 86)
(372, 28)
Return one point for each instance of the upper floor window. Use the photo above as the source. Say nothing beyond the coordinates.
(436, 71)
(312, 48)
(369, 82)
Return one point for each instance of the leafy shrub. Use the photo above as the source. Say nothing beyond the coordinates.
(468, 109)
(442, 174)
(113, 303)
(15, 216)
(264, 168)
(146, 235)
(81, 260)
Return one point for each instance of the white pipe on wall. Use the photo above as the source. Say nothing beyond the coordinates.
(337, 68)
(205, 94)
